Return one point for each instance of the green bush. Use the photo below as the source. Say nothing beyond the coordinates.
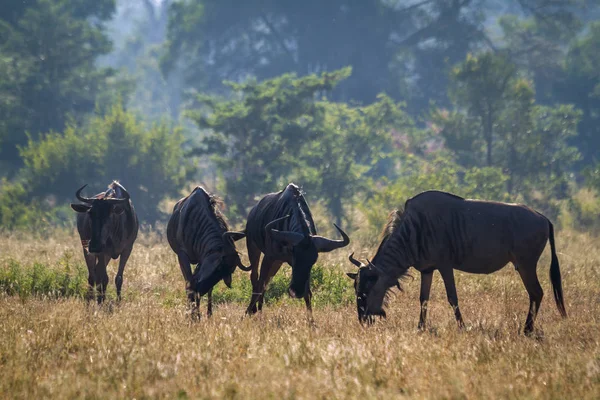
(148, 161)
(440, 173)
(584, 208)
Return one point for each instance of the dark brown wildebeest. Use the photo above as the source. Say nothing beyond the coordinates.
(441, 231)
(108, 226)
(198, 234)
(282, 228)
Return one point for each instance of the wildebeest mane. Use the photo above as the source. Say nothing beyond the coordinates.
(413, 235)
(216, 203)
(394, 220)
(292, 203)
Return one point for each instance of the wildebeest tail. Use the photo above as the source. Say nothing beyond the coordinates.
(555, 275)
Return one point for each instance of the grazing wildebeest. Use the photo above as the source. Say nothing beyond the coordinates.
(282, 228)
(441, 231)
(108, 226)
(198, 234)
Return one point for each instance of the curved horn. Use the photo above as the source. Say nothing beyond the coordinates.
(80, 197)
(235, 236)
(270, 224)
(374, 267)
(325, 245)
(354, 260)
(243, 267)
(122, 190)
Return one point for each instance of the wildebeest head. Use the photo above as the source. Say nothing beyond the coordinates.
(100, 211)
(219, 264)
(301, 252)
(370, 286)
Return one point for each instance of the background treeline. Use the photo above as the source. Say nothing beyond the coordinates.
(365, 103)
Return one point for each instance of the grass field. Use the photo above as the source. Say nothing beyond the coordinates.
(55, 345)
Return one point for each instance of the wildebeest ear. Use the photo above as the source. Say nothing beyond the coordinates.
(80, 208)
(352, 275)
(227, 280)
(118, 210)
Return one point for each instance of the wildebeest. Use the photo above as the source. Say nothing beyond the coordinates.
(198, 233)
(441, 231)
(282, 228)
(108, 226)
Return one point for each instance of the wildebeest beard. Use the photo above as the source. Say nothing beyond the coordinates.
(304, 256)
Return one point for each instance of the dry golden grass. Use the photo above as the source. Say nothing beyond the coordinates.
(147, 346)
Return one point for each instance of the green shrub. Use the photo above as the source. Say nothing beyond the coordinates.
(440, 173)
(584, 207)
(149, 161)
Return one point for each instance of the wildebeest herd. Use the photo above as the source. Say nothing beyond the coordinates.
(435, 231)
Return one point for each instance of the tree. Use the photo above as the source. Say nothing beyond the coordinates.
(148, 161)
(277, 131)
(480, 86)
(354, 149)
(256, 137)
(530, 143)
(48, 74)
(404, 49)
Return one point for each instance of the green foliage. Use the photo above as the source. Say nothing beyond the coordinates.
(47, 66)
(63, 279)
(355, 148)
(256, 137)
(592, 177)
(329, 286)
(584, 210)
(17, 210)
(530, 143)
(275, 131)
(438, 172)
(148, 161)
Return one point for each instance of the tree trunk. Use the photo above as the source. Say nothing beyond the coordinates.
(335, 207)
(489, 138)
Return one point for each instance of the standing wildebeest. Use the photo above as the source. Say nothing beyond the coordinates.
(295, 241)
(107, 223)
(198, 234)
(441, 231)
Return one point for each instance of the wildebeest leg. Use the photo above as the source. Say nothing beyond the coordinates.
(448, 277)
(102, 276)
(426, 279)
(272, 272)
(535, 291)
(307, 301)
(209, 310)
(186, 270)
(254, 257)
(258, 290)
(90, 261)
(119, 278)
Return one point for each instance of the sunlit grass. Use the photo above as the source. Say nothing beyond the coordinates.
(54, 344)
